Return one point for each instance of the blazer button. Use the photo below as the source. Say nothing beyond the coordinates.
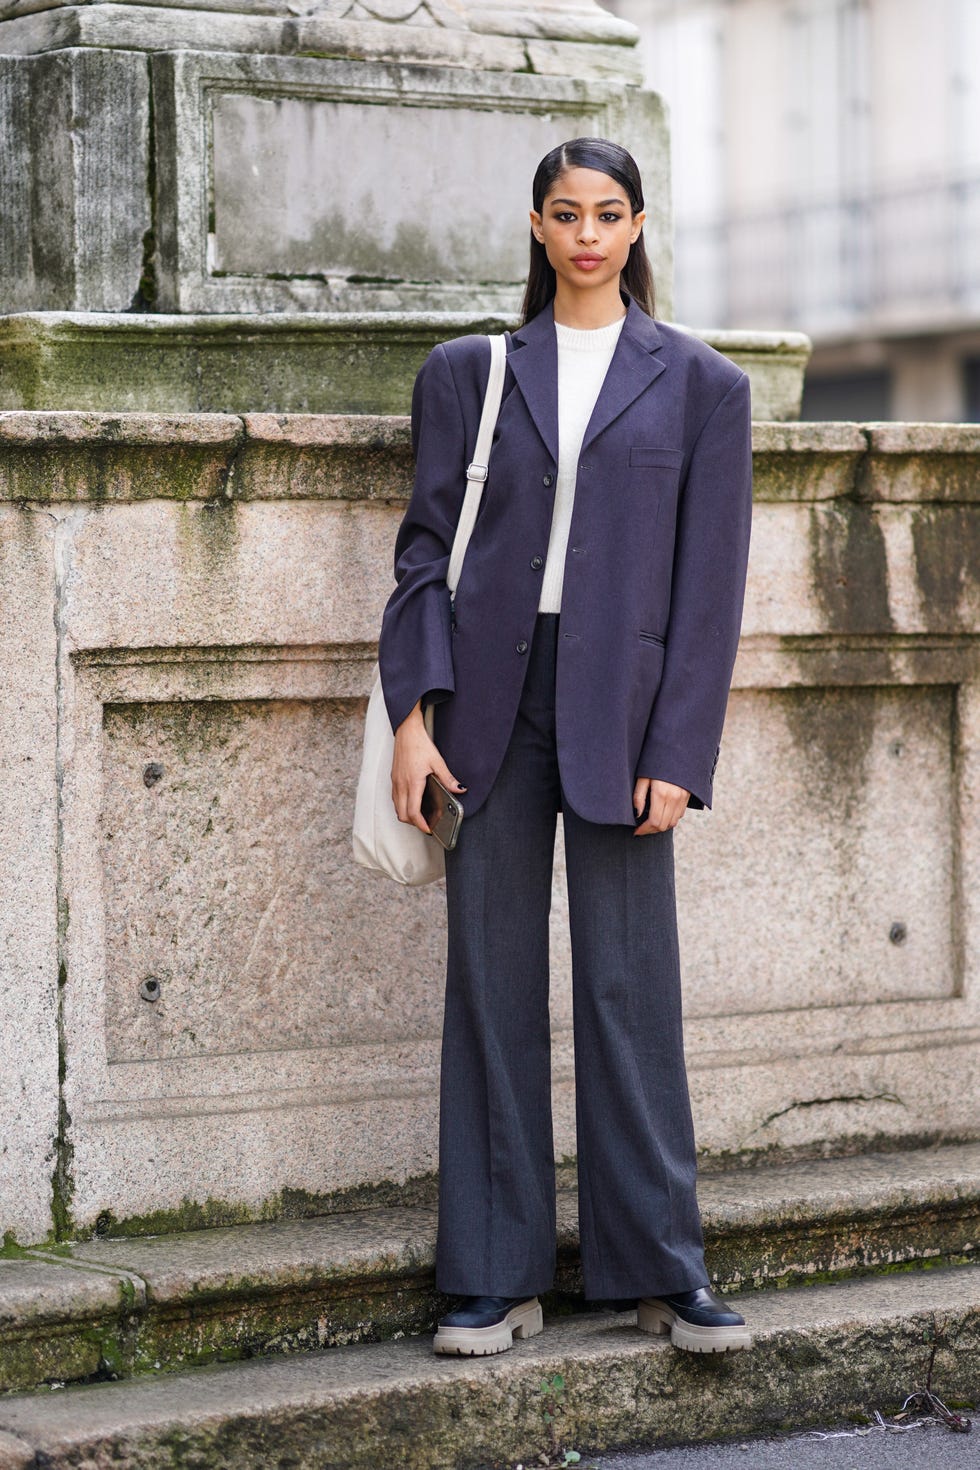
(537, 562)
(546, 480)
(522, 646)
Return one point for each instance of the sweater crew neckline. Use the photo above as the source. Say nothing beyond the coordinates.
(589, 339)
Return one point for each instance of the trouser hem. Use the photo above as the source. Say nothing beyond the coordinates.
(621, 1289)
(468, 1288)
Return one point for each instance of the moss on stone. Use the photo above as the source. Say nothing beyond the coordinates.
(10, 1250)
(850, 568)
(286, 1204)
(946, 540)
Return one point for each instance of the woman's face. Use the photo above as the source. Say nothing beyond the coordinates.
(586, 228)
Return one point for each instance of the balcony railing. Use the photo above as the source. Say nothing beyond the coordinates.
(904, 258)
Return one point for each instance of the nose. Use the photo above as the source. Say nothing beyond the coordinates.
(587, 232)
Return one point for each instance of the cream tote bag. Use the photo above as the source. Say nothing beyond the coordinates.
(381, 842)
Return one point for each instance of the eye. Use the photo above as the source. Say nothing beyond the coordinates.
(610, 214)
(564, 215)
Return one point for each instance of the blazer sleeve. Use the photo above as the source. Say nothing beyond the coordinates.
(711, 551)
(415, 646)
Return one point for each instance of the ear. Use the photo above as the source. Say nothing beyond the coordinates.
(637, 226)
(536, 226)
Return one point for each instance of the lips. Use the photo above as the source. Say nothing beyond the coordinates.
(587, 259)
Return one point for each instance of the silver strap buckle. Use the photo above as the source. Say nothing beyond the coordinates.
(477, 471)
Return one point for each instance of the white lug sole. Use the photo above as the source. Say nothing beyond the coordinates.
(524, 1320)
(657, 1317)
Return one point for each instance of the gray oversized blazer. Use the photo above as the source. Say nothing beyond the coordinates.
(654, 574)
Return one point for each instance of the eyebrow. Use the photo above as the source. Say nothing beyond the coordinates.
(575, 203)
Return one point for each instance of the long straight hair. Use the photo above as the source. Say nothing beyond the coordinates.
(636, 278)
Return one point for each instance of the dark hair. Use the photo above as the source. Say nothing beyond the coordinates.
(606, 158)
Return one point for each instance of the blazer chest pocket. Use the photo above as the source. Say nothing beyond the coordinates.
(649, 456)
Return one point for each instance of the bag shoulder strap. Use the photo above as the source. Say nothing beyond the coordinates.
(478, 469)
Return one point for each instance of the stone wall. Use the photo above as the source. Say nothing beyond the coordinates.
(208, 1013)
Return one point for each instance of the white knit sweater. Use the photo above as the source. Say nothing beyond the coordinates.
(583, 359)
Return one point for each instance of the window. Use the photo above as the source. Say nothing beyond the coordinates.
(857, 397)
(971, 390)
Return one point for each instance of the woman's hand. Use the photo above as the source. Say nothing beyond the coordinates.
(415, 757)
(668, 803)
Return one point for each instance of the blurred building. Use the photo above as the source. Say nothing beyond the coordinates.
(826, 166)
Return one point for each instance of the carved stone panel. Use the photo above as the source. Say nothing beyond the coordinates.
(230, 888)
(827, 875)
(330, 184)
(307, 187)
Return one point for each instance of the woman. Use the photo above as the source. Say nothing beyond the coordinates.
(584, 668)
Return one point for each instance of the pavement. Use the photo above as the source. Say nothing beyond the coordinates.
(932, 1447)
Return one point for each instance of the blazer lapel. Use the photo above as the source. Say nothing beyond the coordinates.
(632, 369)
(535, 367)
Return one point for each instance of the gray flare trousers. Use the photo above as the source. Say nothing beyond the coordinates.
(638, 1216)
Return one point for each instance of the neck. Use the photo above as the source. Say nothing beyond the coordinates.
(585, 310)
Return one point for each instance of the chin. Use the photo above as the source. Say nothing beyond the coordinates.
(589, 278)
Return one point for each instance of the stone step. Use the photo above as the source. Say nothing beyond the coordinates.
(821, 1353)
(126, 1306)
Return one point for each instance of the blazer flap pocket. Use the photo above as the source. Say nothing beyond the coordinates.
(649, 455)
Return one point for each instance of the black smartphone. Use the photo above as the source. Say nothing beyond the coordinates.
(442, 811)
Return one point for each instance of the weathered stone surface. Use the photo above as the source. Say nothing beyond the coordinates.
(29, 905)
(251, 921)
(356, 1246)
(301, 363)
(215, 212)
(35, 1292)
(75, 198)
(572, 20)
(15, 1454)
(67, 457)
(426, 27)
(849, 838)
(357, 224)
(283, 1287)
(561, 58)
(800, 1222)
(276, 244)
(251, 608)
(72, 456)
(775, 363)
(202, 1295)
(764, 1226)
(59, 1322)
(126, 456)
(912, 462)
(806, 461)
(863, 1344)
(152, 28)
(316, 456)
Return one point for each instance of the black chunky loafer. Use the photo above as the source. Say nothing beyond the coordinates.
(697, 1321)
(481, 1325)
